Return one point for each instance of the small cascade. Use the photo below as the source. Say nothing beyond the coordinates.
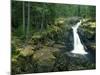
(78, 47)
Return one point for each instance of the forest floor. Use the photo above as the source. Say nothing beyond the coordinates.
(52, 59)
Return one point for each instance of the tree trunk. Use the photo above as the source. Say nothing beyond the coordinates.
(28, 23)
(78, 11)
(23, 17)
(43, 17)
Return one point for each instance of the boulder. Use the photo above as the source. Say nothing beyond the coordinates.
(27, 51)
(44, 59)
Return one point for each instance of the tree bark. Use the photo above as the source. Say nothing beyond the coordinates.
(23, 17)
(28, 22)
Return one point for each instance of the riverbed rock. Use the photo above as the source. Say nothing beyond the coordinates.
(80, 62)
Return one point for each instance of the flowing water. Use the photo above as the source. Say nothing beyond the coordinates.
(78, 47)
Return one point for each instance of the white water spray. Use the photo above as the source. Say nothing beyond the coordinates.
(78, 47)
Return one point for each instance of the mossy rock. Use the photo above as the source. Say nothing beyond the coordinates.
(14, 59)
(43, 54)
(44, 59)
(91, 46)
(27, 51)
(55, 51)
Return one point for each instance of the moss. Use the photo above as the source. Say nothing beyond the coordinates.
(43, 54)
(44, 59)
(27, 51)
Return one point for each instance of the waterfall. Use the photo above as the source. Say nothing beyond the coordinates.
(78, 47)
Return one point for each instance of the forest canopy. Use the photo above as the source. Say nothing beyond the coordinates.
(43, 14)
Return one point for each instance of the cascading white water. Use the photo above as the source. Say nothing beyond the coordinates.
(78, 47)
